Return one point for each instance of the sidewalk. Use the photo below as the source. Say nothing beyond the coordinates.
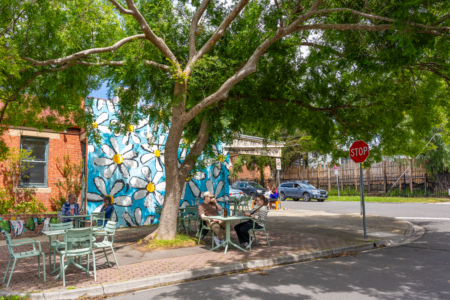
(290, 232)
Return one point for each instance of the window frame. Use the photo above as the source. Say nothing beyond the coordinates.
(34, 185)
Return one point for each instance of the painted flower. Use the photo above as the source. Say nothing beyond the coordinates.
(192, 185)
(216, 192)
(184, 145)
(97, 125)
(91, 148)
(149, 188)
(131, 131)
(109, 104)
(117, 159)
(118, 186)
(220, 160)
(137, 218)
(156, 152)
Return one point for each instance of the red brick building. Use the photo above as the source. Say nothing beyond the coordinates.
(47, 146)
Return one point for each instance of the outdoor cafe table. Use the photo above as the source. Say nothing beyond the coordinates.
(70, 260)
(77, 219)
(228, 220)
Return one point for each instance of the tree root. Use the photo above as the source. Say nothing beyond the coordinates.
(151, 236)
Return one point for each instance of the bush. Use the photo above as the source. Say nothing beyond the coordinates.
(6, 202)
(7, 205)
(15, 297)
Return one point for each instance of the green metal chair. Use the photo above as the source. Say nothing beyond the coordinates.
(190, 214)
(10, 244)
(60, 216)
(109, 231)
(83, 237)
(260, 229)
(53, 244)
(95, 218)
(204, 225)
(158, 211)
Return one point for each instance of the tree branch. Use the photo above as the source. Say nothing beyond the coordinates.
(120, 8)
(194, 23)
(83, 53)
(122, 63)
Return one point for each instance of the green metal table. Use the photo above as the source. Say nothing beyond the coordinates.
(77, 219)
(228, 220)
(70, 260)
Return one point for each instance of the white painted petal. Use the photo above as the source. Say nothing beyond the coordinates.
(128, 220)
(138, 183)
(149, 220)
(140, 194)
(93, 197)
(100, 104)
(124, 171)
(102, 118)
(98, 208)
(149, 148)
(184, 204)
(108, 151)
(220, 199)
(161, 139)
(114, 144)
(159, 198)
(141, 124)
(111, 106)
(104, 129)
(103, 161)
(114, 216)
(123, 201)
(117, 187)
(157, 178)
(227, 165)
(184, 190)
(135, 138)
(147, 173)
(199, 175)
(130, 155)
(158, 165)
(127, 148)
(217, 169)
(210, 186)
(130, 163)
(219, 188)
(126, 138)
(146, 157)
(148, 200)
(161, 186)
(138, 216)
(100, 185)
(215, 150)
(162, 158)
(91, 148)
(194, 189)
(109, 171)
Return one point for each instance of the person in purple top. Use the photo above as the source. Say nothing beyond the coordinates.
(273, 195)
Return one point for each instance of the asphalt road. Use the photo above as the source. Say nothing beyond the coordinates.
(420, 270)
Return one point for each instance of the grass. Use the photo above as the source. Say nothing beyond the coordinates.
(180, 241)
(15, 297)
(389, 199)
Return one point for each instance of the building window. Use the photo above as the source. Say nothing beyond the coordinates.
(37, 175)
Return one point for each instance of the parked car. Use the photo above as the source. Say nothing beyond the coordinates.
(236, 193)
(303, 190)
(250, 188)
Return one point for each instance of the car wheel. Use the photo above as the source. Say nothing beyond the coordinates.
(320, 200)
(282, 196)
(306, 197)
(252, 195)
(295, 199)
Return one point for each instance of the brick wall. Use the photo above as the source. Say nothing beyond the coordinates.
(60, 144)
(247, 174)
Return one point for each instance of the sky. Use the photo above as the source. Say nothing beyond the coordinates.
(101, 93)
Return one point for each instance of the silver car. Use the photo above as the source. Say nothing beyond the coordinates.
(236, 193)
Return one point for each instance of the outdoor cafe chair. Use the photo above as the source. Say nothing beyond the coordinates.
(158, 211)
(83, 237)
(204, 225)
(260, 229)
(108, 240)
(53, 245)
(35, 252)
(98, 218)
(190, 214)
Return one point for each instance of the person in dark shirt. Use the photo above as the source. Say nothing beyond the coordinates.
(108, 208)
(209, 208)
(273, 195)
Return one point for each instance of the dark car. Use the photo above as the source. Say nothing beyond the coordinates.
(250, 188)
(301, 189)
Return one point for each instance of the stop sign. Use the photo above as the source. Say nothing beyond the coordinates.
(359, 151)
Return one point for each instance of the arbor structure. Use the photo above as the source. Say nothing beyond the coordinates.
(376, 69)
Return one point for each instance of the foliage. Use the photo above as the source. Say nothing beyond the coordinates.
(6, 202)
(388, 199)
(251, 162)
(72, 183)
(437, 159)
(32, 206)
(15, 297)
(4, 225)
(30, 224)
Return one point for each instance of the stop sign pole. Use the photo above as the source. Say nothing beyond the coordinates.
(359, 151)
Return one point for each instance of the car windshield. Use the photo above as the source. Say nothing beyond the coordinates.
(255, 185)
(307, 186)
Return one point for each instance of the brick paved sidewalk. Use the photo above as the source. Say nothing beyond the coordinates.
(135, 264)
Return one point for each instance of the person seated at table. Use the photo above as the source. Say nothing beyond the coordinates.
(108, 208)
(70, 208)
(209, 208)
(259, 212)
(273, 195)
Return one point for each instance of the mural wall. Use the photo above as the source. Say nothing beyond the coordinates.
(129, 169)
(26, 225)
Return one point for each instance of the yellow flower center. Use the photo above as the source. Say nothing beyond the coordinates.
(130, 128)
(112, 198)
(186, 141)
(118, 159)
(157, 153)
(94, 125)
(221, 158)
(150, 187)
(188, 178)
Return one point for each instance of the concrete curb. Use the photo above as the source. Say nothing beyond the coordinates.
(411, 234)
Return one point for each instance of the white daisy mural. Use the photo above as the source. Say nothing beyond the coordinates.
(221, 160)
(109, 105)
(216, 191)
(151, 188)
(116, 159)
(117, 187)
(132, 131)
(100, 124)
(155, 152)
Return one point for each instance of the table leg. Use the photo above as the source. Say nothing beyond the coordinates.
(229, 242)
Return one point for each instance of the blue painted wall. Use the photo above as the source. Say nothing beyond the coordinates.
(130, 170)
